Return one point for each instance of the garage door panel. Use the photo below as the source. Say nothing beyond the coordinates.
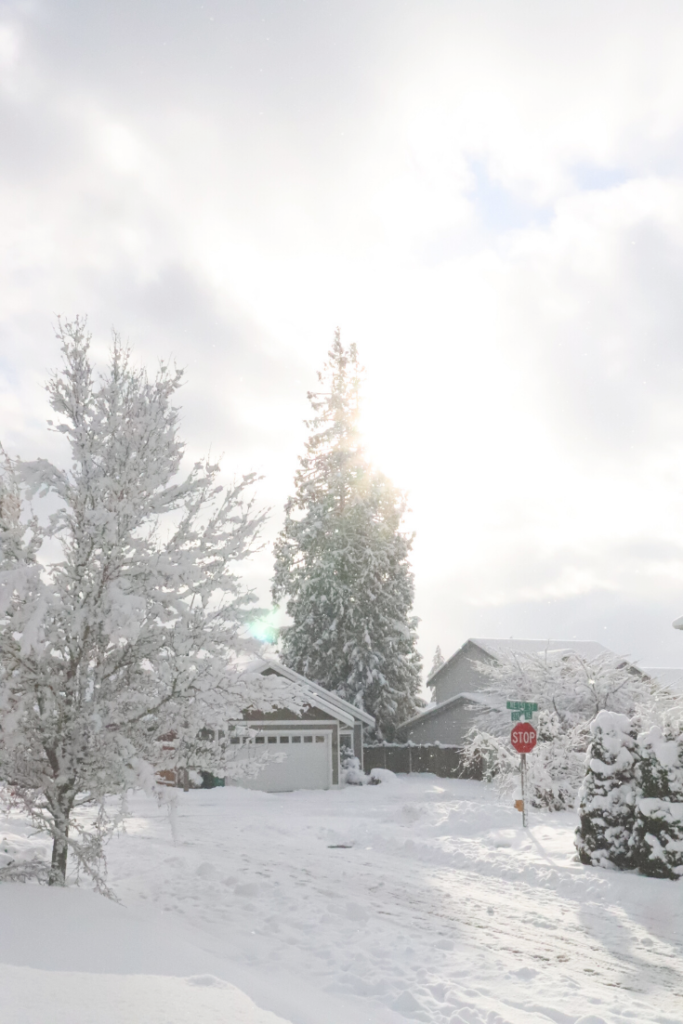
(306, 761)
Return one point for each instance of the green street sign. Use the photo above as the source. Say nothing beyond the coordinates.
(521, 707)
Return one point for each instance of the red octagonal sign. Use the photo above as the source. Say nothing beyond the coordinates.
(523, 737)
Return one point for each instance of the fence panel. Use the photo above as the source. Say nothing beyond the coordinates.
(408, 758)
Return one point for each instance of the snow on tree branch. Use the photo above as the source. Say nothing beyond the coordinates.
(136, 631)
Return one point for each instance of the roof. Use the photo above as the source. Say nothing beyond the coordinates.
(586, 648)
(493, 647)
(324, 699)
(437, 709)
(670, 678)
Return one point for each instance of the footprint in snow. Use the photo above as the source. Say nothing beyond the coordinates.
(355, 912)
(247, 889)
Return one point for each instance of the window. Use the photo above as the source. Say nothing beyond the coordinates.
(284, 739)
(296, 739)
(272, 739)
(320, 739)
(308, 739)
(234, 739)
(260, 739)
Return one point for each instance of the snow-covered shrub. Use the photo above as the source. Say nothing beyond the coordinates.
(492, 756)
(657, 841)
(570, 691)
(378, 775)
(607, 796)
(352, 773)
(555, 766)
(20, 861)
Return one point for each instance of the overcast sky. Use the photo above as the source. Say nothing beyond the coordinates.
(487, 197)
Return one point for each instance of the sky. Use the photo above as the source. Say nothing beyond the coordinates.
(486, 198)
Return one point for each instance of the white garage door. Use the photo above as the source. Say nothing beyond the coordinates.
(304, 760)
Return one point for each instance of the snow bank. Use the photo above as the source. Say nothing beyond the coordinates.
(58, 997)
(69, 956)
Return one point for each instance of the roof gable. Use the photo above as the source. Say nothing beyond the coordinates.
(438, 709)
(319, 697)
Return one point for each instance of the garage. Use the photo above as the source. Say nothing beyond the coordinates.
(301, 750)
(294, 759)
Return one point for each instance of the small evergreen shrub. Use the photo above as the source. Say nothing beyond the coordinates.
(657, 840)
(607, 796)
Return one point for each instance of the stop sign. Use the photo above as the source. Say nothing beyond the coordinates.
(523, 737)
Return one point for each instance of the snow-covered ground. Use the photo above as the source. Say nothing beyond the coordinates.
(420, 899)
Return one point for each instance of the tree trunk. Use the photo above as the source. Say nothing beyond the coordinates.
(60, 846)
(60, 852)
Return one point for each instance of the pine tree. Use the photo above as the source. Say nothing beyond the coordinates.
(657, 844)
(437, 661)
(608, 794)
(132, 634)
(341, 561)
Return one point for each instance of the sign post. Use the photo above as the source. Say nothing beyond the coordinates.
(523, 738)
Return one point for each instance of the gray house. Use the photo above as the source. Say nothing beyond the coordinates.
(670, 679)
(459, 686)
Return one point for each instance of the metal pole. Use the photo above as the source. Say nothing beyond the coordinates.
(525, 813)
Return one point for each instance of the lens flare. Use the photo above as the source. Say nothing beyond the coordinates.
(264, 629)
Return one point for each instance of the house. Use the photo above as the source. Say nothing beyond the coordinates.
(459, 686)
(313, 740)
(670, 679)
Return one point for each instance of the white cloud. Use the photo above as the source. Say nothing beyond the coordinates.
(486, 198)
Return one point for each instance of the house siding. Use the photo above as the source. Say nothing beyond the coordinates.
(459, 674)
(449, 726)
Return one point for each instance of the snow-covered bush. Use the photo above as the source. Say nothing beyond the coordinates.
(657, 841)
(352, 773)
(607, 796)
(116, 654)
(554, 767)
(379, 775)
(570, 691)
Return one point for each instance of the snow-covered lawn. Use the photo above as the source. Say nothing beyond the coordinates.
(419, 899)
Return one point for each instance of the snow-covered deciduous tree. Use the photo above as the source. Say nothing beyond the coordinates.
(119, 655)
(657, 842)
(607, 796)
(342, 562)
(570, 691)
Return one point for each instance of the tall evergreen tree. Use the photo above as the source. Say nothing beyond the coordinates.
(341, 561)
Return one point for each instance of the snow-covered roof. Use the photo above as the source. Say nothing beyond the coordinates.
(321, 698)
(670, 678)
(436, 709)
(586, 648)
(495, 646)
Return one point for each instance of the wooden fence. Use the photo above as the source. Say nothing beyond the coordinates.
(406, 758)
